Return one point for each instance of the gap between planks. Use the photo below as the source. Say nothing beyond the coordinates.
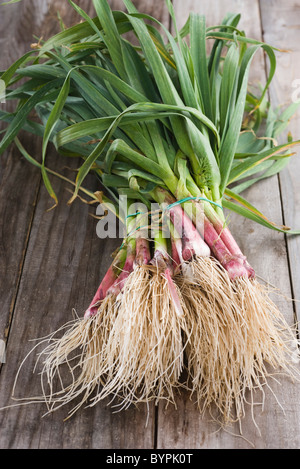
(22, 262)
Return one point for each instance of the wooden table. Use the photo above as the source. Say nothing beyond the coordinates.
(52, 261)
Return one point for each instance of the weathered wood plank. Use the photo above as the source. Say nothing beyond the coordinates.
(17, 206)
(60, 272)
(17, 198)
(281, 28)
(266, 251)
(63, 266)
(64, 263)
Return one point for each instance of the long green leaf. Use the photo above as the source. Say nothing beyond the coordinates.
(55, 114)
(20, 118)
(137, 112)
(116, 82)
(251, 162)
(120, 147)
(9, 73)
(138, 75)
(229, 143)
(41, 71)
(70, 35)
(284, 118)
(111, 35)
(274, 168)
(227, 88)
(198, 54)
(247, 210)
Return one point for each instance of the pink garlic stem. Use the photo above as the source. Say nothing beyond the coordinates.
(234, 249)
(118, 285)
(229, 241)
(176, 248)
(173, 292)
(108, 280)
(229, 261)
(164, 265)
(192, 242)
(100, 294)
(143, 255)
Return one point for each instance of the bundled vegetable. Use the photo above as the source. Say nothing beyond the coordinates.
(179, 135)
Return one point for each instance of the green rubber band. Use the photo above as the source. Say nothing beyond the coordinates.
(178, 202)
(131, 233)
(134, 214)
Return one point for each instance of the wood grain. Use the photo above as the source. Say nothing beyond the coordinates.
(281, 28)
(266, 251)
(17, 207)
(64, 264)
(53, 261)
